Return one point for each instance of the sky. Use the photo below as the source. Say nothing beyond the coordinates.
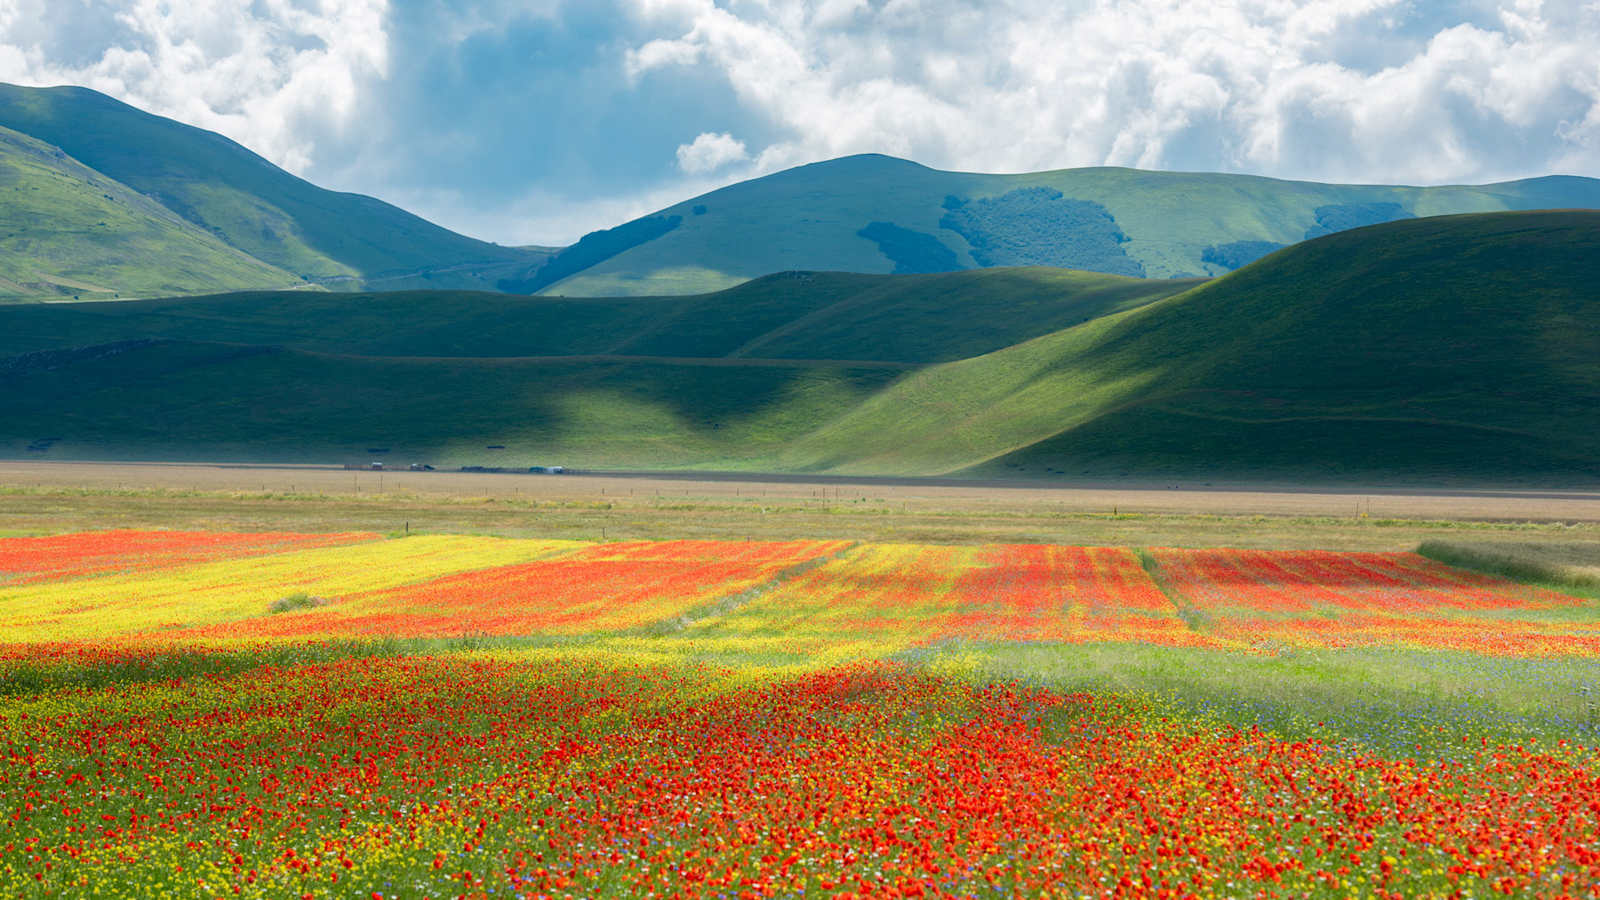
(536, 121)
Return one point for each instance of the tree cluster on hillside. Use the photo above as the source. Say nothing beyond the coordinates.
(1345, 216)
(1238, 254)
(591, 250)
(1038, 226)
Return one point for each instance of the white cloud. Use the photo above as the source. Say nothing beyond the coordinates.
(659, 54)
(272, 74)
(710, 152)
(1268, 86)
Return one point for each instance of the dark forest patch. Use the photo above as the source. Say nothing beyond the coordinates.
(1345, 216)
(1038, 226)
(1238, 254)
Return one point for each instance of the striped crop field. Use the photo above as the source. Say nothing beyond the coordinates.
(607, 587)
(1259, 597)
(34, 559)
(231, 590)
(234, 715)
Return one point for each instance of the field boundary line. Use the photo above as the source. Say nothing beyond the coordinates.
(733, 602)
(1191, 615)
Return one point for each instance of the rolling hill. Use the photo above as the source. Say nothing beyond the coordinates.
(439, 376)
(1455, 346)
(196, 400)
(67, 231)
(246, 202)
(880, 214)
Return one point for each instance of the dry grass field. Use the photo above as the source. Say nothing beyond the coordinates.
(52, 497)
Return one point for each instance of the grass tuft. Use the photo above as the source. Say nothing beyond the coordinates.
(296, 601)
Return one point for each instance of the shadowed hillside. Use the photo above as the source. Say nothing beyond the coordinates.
(178, 399)
(795, 315)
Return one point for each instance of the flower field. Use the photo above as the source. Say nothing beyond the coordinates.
(605, 587)
(1344, 599)
(464, 716)
(35, 559)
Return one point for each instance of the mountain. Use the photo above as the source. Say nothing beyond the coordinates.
(68, 231)
(248, 203)
(1459, 347)
(1454, 346)
(208, 215)
(880, 214)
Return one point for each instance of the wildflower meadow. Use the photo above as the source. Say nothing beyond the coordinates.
(281, 715)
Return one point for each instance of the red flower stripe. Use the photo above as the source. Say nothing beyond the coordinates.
(600, 588)
(29, 560)
(1314, 598)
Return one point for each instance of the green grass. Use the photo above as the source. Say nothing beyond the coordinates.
(67, 231)
(293, 602)
(810, 218)
(1436, 348)
(647, 382)
(1391, 700)
(1569, 568)
(180, 399)
(24, 677)
(228, 191)
(914, 319)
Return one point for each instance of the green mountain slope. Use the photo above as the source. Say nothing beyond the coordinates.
(241, 198)
(879, 214)
(68, 231)
(1458, 346)
(797, 315)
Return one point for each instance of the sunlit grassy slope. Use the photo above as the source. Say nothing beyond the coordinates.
(1171, 223)
(241, 198)
(68, 231)
(798, 315)
(1464, 345)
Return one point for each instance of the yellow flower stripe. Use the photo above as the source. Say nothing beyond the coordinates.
(237, 589)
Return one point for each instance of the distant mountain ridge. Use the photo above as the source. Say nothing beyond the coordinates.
(874, 213)
(202, 214)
